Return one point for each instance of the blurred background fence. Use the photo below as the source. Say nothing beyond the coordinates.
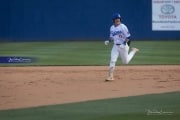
(45, 20)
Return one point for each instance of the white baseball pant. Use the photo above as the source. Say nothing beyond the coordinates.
(123, 52)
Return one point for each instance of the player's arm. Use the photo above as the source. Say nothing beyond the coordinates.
(127, 34)
(111, 39)
(128, 41)
(106, 42)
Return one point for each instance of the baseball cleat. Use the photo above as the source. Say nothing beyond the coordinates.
(109, 79)
(135, 49)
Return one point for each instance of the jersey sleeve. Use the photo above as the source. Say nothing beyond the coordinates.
(111, 32)
(126, 31)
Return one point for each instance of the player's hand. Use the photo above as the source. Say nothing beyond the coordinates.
(106, 42)
(124, 43)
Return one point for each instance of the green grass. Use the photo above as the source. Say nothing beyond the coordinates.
(127, 108)
(90, 53)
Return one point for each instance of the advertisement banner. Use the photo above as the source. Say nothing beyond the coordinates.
(165, 15)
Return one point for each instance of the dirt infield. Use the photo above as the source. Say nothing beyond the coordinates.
(35, 86)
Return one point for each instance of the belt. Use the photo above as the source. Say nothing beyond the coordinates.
(118, 44)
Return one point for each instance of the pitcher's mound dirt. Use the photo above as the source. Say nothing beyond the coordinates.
(35, 86)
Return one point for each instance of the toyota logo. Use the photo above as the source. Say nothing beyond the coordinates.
(167, 9)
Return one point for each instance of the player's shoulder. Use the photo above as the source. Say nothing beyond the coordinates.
(112, 27)
(123, 25)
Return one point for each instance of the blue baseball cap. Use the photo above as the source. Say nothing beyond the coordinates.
(116, 16)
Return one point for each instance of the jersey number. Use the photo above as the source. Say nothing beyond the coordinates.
(120, 36)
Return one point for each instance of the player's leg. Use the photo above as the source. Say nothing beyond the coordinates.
(125, 55)
(114, 56)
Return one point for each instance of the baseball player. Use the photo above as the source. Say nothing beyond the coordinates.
(120, 36)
